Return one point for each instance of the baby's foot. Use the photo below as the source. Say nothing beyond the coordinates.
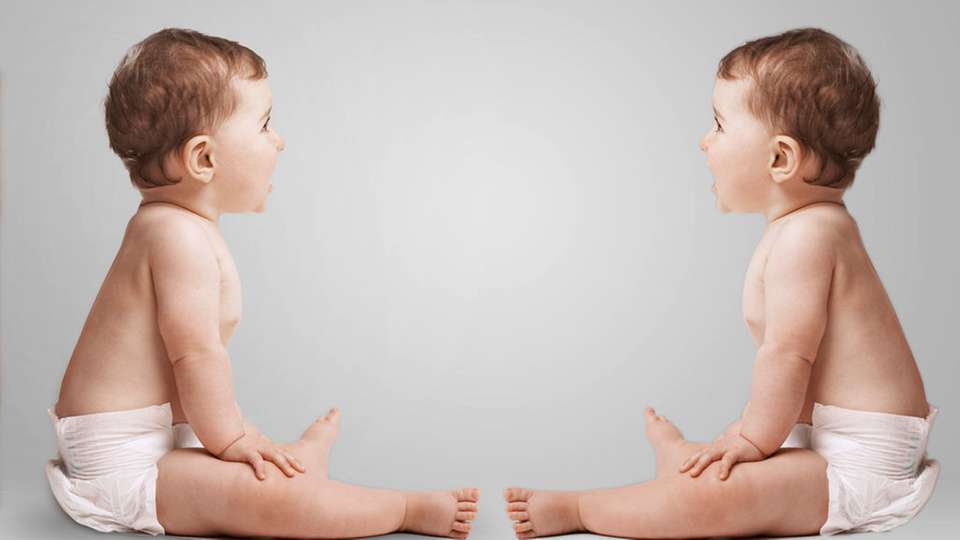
(543, 513)
(667, 441)
(313, 448)
(323, 431)
(441, 513)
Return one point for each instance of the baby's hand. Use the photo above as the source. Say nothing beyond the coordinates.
(254, 448)
(729, 448)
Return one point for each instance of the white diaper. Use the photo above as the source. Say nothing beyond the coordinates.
(877, 471)
(105, 476)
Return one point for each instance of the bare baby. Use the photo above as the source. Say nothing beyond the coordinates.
(834, 434)
(150, 437)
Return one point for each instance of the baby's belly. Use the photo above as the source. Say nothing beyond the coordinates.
(88, 389)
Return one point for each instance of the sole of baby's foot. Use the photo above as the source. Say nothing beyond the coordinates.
(313, 448)
(441, 513)
(667, 441)
(543, 513)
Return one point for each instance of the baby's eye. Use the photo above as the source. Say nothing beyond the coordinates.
(266, 124)
(717, 122)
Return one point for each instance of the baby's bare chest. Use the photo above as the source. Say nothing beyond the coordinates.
(231, 298)
(753, 296)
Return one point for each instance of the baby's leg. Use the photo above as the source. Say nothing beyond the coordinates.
(785, 494)
(668, 443)
(313, 448)
(200, 495)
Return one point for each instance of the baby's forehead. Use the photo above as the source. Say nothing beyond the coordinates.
(729, 96)
(254, 96)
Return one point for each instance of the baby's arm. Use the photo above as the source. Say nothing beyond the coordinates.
(186, 279)
(797, 279)
(734, 428)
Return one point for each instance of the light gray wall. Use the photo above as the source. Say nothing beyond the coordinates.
(491, 239)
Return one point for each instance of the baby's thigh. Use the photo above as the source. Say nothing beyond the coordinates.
(790, 487)
(192, 491)
(200, 495)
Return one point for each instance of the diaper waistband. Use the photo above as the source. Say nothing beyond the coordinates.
(878, 418)
(891, 445)
(92, 445)
(159, 412)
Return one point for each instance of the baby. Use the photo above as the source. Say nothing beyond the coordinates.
(834, 435)
(189, 115)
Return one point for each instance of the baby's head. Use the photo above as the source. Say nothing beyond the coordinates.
(796, 112)
(185, 107)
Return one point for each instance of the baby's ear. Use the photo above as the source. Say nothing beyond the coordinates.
(197, 158)
(786, 155)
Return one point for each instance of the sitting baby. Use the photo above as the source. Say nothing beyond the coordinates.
(833, 438)
(149, 434)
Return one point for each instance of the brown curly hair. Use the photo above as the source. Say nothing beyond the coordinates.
(172, 86)
(810, 85)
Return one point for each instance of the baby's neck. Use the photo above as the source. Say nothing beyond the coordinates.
(194, 205)
(784, 206)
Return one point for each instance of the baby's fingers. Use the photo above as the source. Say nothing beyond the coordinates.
(257, 463)
(706, 458)
(726, 463)
(687, 463)
(297, 464)
(280, 459)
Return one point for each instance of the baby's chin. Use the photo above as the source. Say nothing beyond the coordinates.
(716, 200)
(262, 207)
(724, 209)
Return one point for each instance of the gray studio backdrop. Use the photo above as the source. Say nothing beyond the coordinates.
(491, 239)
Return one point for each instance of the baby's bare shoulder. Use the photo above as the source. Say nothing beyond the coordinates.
(822, 227)
(164, 231)
(812, 239)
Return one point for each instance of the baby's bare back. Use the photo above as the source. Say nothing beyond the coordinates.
(120, 361)
(864, 361)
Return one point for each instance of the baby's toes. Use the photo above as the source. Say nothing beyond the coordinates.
(516, 494)
(653, 419)
(518, 506)
(523, 526)
(467, 495)
(520, 515)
